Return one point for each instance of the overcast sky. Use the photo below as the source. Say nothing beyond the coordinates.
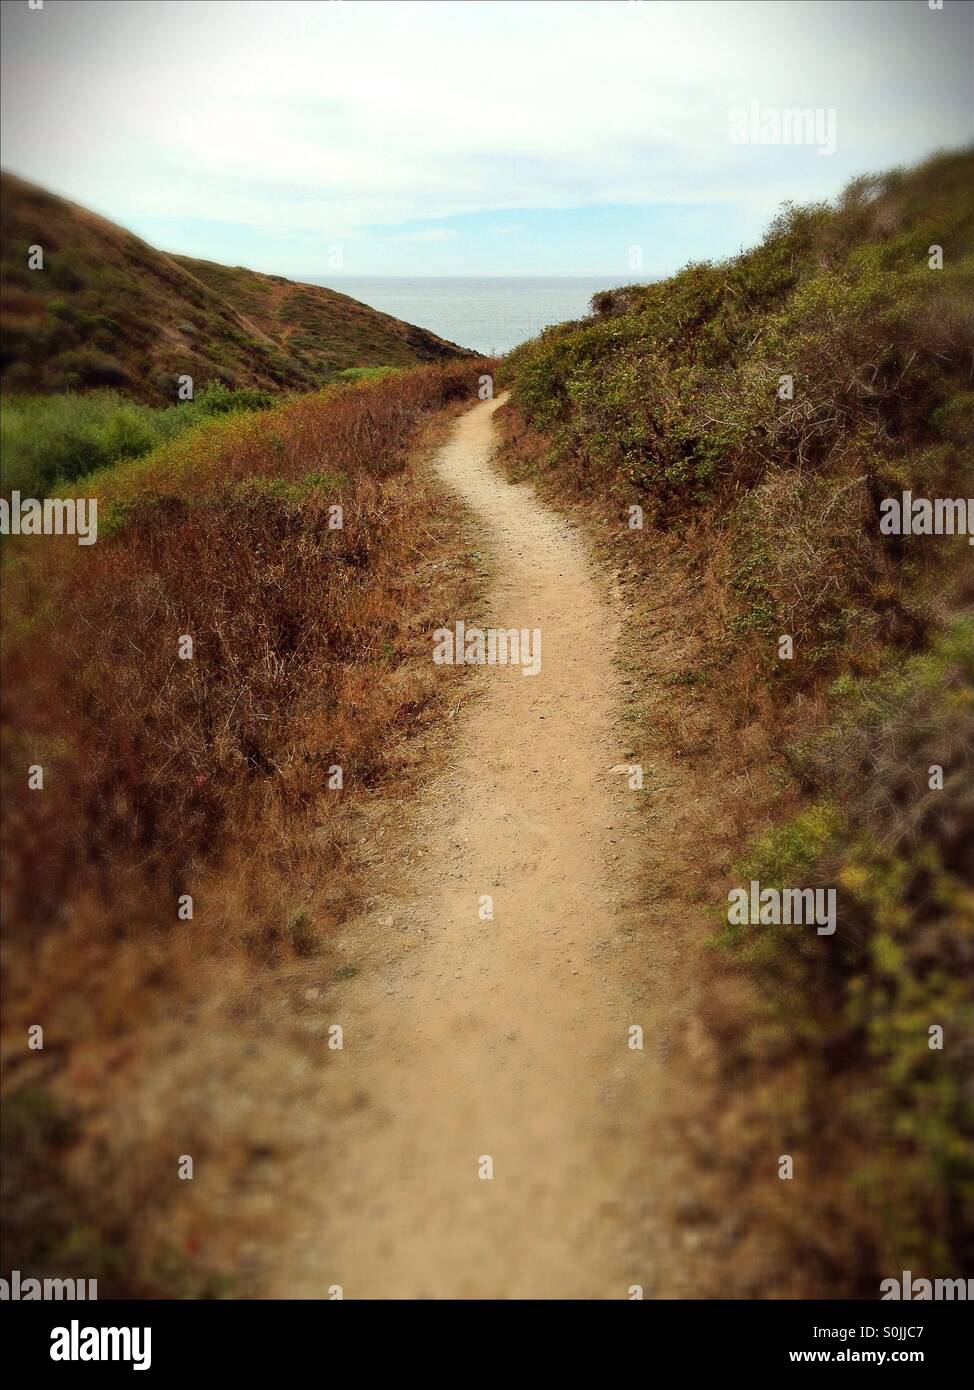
(477, 137)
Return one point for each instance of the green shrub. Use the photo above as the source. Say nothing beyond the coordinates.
(352, 375)
(670, 396)
(900, 855)
(51, 439)
(671, 389)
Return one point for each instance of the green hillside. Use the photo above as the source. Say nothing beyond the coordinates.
(760, 411)
(108, 310)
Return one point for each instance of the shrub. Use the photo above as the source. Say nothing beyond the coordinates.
(900, 854)
(766, 504)
(47, 439)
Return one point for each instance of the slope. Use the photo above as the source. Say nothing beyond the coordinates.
(755, 416)
(321, 330)
(107, 309)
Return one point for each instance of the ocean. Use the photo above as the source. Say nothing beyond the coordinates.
(491, 314)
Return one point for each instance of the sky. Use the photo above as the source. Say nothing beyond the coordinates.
(482, 137)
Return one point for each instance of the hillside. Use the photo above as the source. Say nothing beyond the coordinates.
(239, 845)
(778, 398)
(208, 776)
(756, 414)
(108, 310)
(321, 330)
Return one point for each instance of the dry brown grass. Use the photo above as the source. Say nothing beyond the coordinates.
(209, 776)
(762, 521)
(707, 594)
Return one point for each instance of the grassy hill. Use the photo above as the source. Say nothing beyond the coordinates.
(108, 310)
(759, 411)
(320, 330)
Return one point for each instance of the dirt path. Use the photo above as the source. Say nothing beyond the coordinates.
(505, 1038)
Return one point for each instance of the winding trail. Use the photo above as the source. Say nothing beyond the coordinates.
(505, 1038)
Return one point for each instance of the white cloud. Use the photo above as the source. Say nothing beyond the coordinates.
(428, 234)
(323, 119)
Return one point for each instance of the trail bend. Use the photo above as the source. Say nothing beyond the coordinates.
(507, 1038)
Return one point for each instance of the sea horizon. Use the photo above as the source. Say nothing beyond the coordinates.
(489, 313)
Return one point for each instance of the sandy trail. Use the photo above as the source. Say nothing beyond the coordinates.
(505, 1038)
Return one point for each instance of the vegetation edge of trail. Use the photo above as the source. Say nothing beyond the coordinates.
(201, 817)
(727, 435)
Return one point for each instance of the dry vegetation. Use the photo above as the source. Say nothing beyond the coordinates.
(761, 518)
(107, 310)
(208, 776)
(321, 331)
